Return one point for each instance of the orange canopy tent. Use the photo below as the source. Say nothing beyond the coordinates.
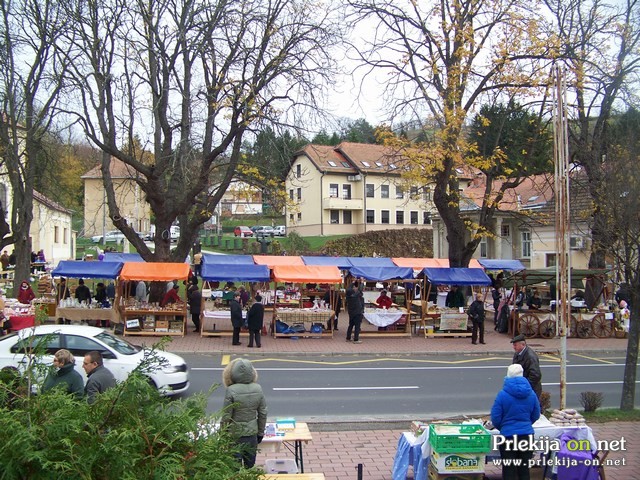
(306, 273)
(420, 263)
(274, 260)
(154, 272)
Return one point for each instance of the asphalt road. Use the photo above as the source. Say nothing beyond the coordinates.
(372, 388)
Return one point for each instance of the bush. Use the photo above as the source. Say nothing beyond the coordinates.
(591, 401)
(406, 242)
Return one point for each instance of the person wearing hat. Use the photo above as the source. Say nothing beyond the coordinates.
(515, 410)
(529, 361)
(236, 318)
(476, 313)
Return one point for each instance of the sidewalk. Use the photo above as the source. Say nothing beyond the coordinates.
(337, 453)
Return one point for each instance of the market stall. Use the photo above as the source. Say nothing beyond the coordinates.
(393, 321)
(216, 315)
(289, 309)
(448, 322)
(144, 318)
(74, 311)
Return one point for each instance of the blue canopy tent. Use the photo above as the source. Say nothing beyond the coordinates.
(380, 273)
(235, 272)
(78, 269)
(122, 257)
(498, 264)
(227, 259)
(371, 262)
(342, 263)
(457, 276)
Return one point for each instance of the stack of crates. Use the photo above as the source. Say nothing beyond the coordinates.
(458, 451)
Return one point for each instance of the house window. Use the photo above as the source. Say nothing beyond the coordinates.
(346, 217)
(384, 191)
(414, 218)
(413, 193)
(550, 260)
(384, 216)
(370, 190)
(399, 192)
(525, 238)
(56, 234)
(291, 194)
(399, 217)
(299, 216)
(333, 190)
(427, 194)
(291, 217)
(346, 192)
(505, 231)
(426, 218)
(65, 236)
(298, 171)
(371, 216)
(300, 194)
(335, 216)
(483, 248)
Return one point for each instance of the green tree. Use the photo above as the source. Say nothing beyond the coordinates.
(359, 131)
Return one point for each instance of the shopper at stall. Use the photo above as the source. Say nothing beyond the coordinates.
(496, 295)
(194, 297)
(332, 299)
(171, 297)
(4, 260)
(455, 298)
(625, 315)
(99, 378)
(244, 296)
(141, 291)
(64, 375)
(236, 318)
(514, 412)
(25, 293)
(355, 309)
(384, 300)
(526, 357)
(245, 409)
(83, 294)
(534, 302)
(101, 294)
(255, 320)
(62, 291)
(476, 313)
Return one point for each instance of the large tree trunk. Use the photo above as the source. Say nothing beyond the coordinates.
(627, 402)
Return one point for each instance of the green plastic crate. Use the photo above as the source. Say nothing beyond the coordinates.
(459, 438)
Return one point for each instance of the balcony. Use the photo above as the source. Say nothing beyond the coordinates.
(335, 203)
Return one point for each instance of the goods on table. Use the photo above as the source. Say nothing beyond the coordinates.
(567, 417)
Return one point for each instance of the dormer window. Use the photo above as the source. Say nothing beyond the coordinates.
(366, 164)
(332, 164)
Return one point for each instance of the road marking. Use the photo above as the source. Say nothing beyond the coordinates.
(593, 358)
(297, 389)
(612, 382)
(374, 360)
(225, 360)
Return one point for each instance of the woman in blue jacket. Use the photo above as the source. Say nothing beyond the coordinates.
(514, 412)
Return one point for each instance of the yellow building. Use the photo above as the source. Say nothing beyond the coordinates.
(352, 188)
(130, 199)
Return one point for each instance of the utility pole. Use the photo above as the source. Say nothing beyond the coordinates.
(563, 227)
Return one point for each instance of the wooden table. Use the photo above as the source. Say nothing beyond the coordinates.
(297, 436)
(78, 314)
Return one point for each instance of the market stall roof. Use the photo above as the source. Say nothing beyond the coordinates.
(307, 273)
(227, 259)
(342, 263)
(420, 263)
(541, 275)
(457, 276)
(371, 262)
(498, 264)
(380, 274)
(154, 272)
(77, 269)
(273, 260)
(235, 272)
(122, 257)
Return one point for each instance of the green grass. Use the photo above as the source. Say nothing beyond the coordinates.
(603, 415)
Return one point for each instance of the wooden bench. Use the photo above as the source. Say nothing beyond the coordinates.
(294, 476)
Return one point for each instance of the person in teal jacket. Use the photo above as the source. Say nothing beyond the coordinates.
(64, 375)
(245, 408)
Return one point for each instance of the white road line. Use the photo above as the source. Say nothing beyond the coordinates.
(406, 387)
(616, 382)
(360, 369)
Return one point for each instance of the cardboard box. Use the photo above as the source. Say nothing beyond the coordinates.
(458, 462)
(162, 324)
(434, 475)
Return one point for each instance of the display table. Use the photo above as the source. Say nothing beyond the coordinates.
(216, 318)
(18, 322)
(155, 322)
(299, 435)
(79, 314)
(383, 318)
(306, 316)
(48, 305)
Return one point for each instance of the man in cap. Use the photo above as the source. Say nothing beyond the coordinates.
(526, 357)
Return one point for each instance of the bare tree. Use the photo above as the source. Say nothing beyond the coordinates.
(193, 77)
(31, 80)
(443, 60)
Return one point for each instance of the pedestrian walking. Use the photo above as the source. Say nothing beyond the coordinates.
(99, 377)
(526, 357)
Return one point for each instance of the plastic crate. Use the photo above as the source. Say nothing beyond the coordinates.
(286, 465)
(459, 438)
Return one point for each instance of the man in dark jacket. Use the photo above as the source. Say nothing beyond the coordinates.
(355, 309)
(255, 320)
(476, 313)
(530, 364)
(83, 294)
(194, 296)
(455, 298)
(99, 378)
(236, 318)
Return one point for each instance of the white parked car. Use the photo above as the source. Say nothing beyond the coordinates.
(120, 356)
(112, 236)
(280, 231)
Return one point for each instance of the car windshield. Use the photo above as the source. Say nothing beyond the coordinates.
(118, 344)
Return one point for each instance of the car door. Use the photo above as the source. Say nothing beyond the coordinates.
(79, 346)
(35, 352)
